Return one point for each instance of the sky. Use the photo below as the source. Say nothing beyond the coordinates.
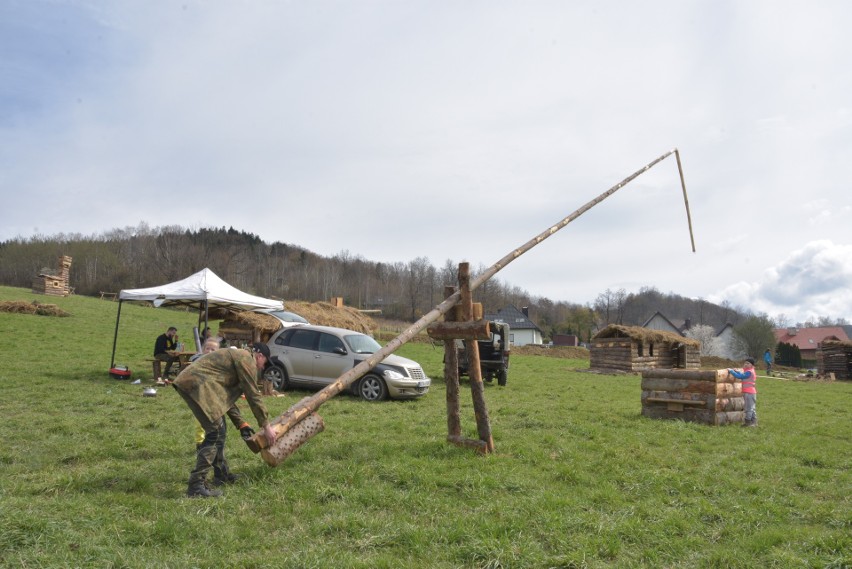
(400, 129)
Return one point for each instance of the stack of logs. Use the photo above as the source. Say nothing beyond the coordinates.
(834, 356)
(711, 397)
(54, 284)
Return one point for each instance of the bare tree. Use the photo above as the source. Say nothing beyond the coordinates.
(711, 345)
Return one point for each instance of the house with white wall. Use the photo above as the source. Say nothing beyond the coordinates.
(522, 330)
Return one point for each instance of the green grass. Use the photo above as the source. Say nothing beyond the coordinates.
(92, 474)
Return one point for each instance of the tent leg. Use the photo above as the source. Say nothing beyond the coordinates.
(115, 337)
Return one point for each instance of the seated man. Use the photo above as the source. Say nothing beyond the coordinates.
(164, 349)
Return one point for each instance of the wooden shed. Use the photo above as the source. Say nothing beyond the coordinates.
(633, 349)
(835, 356)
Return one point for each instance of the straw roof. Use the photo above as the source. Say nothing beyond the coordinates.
(320, 313)
(644, 335)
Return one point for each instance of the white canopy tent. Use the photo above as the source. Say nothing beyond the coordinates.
(204, 291)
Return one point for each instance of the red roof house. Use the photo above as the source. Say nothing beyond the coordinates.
(808, 339)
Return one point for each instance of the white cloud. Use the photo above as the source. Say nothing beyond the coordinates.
(811, 282)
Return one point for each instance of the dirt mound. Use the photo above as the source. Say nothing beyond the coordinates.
(568, 352)
(34, 307)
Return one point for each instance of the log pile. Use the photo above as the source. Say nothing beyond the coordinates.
(711, 397)
(834, 356)
(54, 283)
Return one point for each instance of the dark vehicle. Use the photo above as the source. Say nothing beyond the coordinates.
(493, 354)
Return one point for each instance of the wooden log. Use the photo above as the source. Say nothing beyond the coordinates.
(719, 375)
(691, 386)
(474, 372)
(451, 377)
(287, 444)
(730, 404)
(479, 446)
(703, 416)
(679, 385)
(473, 330)
(706, 399)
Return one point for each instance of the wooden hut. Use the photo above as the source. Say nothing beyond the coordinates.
(711, 397)
(54, 282)
(834, 356)
(633, 349)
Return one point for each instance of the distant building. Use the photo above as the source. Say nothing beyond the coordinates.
(565, 340)
(522, 330)
(659, 322)
(725, 336)
(809, 339)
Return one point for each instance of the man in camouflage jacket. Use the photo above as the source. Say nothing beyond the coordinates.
(210, 387)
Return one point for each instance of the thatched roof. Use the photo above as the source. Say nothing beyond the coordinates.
(644, 335)
(320, 313)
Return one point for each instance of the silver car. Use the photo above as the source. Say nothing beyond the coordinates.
(314, 356)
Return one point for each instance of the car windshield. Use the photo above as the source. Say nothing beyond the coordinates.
(287, 316)
(362, 344)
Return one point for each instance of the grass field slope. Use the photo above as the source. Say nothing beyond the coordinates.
(93, 474)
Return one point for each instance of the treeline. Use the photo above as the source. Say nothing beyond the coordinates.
(135, 257)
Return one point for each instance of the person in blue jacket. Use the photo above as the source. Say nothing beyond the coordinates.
(749, 379)
(767, 359)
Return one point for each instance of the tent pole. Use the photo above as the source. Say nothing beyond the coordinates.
(115, 337)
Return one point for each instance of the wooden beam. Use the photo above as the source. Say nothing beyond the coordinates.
(473, 330)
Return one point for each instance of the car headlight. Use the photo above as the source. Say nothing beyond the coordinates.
(392, 375)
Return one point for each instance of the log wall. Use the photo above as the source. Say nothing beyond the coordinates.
(835, 359)
(623, 354)
(697, 396)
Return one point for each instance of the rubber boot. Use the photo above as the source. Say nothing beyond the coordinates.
(199, 490)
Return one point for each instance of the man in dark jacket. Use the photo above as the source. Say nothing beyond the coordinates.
(164, 347)
(210, 387)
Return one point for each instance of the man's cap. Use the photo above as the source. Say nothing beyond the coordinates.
(749, 360)
(260, 348)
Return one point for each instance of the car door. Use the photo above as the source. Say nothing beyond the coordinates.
(331, 360)
(299, 354)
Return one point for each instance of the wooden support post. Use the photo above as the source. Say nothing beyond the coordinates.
(451, 377)
(477, 390)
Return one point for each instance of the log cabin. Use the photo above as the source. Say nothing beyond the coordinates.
(633, 349)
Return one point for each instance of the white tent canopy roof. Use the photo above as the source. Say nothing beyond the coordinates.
(205, 285)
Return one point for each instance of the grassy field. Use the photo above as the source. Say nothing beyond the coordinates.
(92, 474)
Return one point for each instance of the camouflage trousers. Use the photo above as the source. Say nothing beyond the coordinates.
(210, 453)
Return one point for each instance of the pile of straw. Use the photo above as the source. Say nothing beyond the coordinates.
(34, 307)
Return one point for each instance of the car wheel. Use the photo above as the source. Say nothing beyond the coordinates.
(278, 376)
(372, 388)
(501, 376)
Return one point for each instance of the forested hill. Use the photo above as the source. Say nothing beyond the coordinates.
(141, 256)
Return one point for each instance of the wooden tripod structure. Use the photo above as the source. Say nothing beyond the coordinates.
(308, 406)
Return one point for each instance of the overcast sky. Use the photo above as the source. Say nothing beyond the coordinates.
(452, 130)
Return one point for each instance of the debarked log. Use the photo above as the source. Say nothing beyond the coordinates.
(288, 442)
(690, 386)
(473, 330)
(719, 375)
(704, 416)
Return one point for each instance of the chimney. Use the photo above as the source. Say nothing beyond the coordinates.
(792, 331)
(687, 324)
(526, 311)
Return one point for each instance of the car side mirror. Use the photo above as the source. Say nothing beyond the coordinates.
(339, 351)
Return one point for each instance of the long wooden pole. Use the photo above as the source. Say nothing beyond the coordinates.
(309, 405)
